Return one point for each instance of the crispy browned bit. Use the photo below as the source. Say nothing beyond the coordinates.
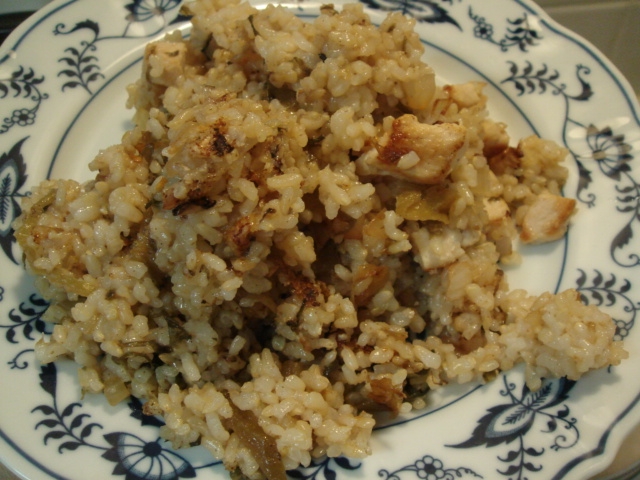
(302, 287)
(262, 446)
(383, 392)
(239, 235)
(435, 148)
(396, 148)
(507, 161)
(306, 289)
(192, 206)
(207, 143)
(198, 192)
(219, 144)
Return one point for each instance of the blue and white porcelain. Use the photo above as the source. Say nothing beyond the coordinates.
(62, 94)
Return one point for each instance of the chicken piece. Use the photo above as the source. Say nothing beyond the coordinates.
(419, 152)
(436, 250)
(547, 218)
(497, 209)
(165, 61)
(495, 138)
(466, 95)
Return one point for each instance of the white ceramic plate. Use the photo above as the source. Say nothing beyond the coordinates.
(62, 94)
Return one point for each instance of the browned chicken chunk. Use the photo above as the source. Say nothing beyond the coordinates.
(165, 61)
(547, 219)
(419, 152)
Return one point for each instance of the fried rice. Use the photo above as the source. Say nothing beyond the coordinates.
(301, 230)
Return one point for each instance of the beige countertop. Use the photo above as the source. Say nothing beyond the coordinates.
(628, 459)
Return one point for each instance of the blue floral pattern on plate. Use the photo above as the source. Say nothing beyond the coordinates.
(23, 83)
(511, 422)
(81, 63)
(504, 430)
(69, 428)
(13, 175)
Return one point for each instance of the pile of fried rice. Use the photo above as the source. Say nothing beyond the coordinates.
(302, 229)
